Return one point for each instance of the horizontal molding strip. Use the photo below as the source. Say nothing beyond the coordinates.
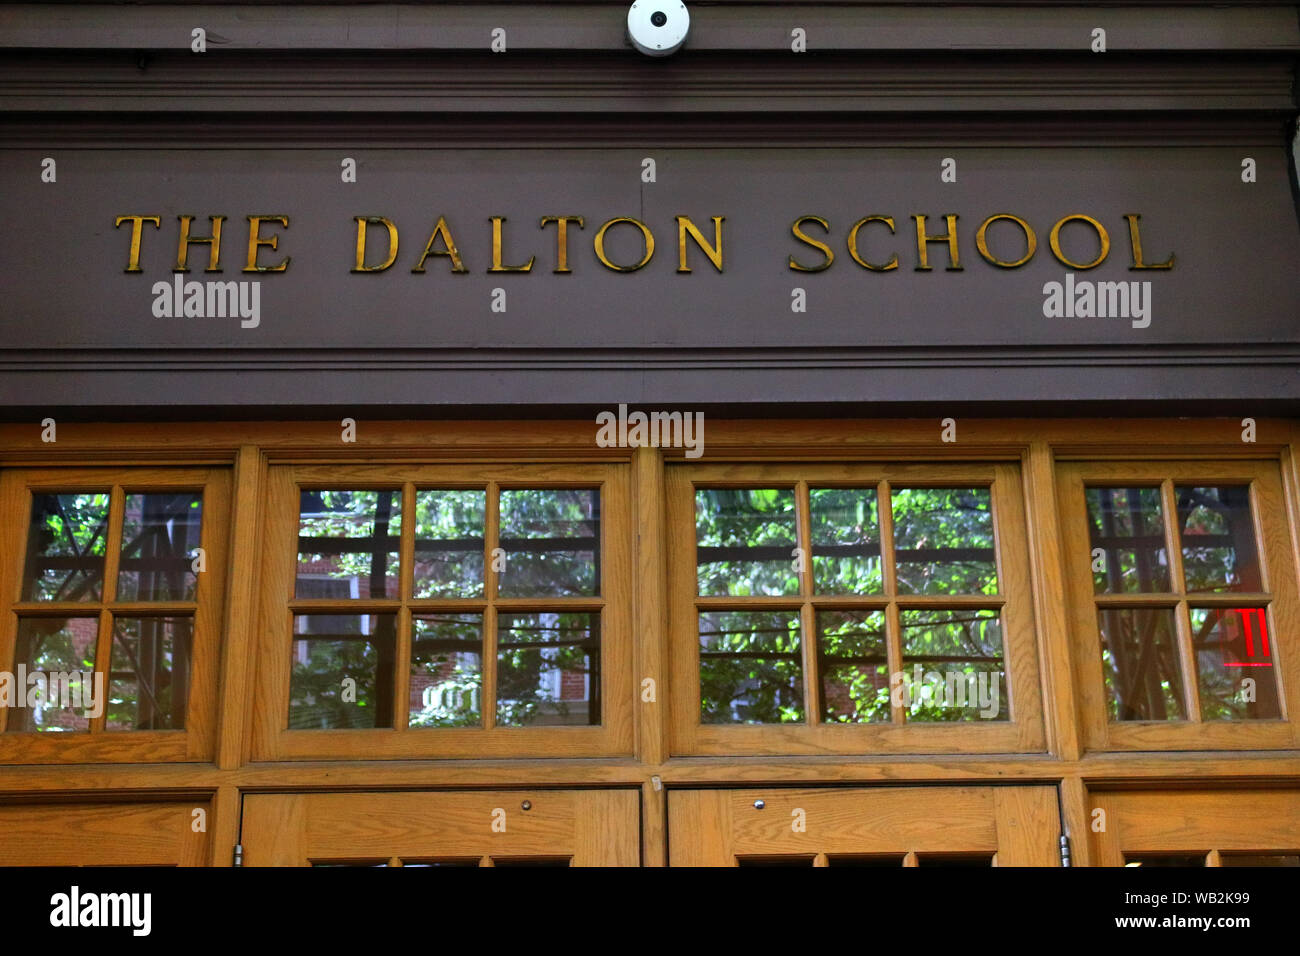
(775, 130)
(110, 360)
(365, 84)
(571, 26)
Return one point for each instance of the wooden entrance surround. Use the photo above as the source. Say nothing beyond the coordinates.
(632, 759)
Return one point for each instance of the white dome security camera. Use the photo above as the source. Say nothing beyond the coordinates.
(658, 27)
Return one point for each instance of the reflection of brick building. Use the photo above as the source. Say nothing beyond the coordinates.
(81, 633)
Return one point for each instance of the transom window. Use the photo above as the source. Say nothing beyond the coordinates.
(826, 598)
(1173, 590)
(447, 599)
(117, 599)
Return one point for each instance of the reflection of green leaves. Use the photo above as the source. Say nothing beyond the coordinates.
(944, 519)
(315, 689)
(532, 647)
(743, 518)
(854, 671)
(445, 515)
(65, 526)
(845, 517)
(355, 514)
(556, 514)
(750, 667)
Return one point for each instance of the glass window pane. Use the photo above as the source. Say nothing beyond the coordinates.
(551, 540)
(446, 670)
(751, 668)
(1128, 526)
(65, 695)
(1139, 662)
(342, 671)
(66, 543)
(1233, 647)
(449, 543)
(745, 540)
(943, 541)
(148, 685)
(348, 544)
(160, 530)
(1218, 538)
(853, 665)
(845, 540)
(548, 668)
(952, 665)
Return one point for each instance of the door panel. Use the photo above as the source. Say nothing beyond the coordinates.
(102, 834)
(1197, 828)
(481, 828)
(906, 826)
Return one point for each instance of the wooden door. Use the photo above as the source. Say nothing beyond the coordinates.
(104, 834)
(1197, 828)
(902, 826)
(479, 828)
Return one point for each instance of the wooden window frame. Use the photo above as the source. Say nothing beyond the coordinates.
(1278, 574)
(1024, 732)
(197, 741)
(272, 740)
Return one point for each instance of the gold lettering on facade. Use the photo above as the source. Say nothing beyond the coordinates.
(981, 242)
(853, 244)
(363, 226)
(923, 239)
(714, 252)
(441, 231)
(1102, 237)
(646, 237)
(496, 251)
(255, 242)
(1135, 240)
(561, 239)
(213, 241)
(816, 244)
(137, 227)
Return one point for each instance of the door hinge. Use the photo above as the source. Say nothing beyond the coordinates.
(1065, 850)
(238, 855)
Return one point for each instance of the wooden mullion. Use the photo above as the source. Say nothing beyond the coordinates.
(888, 578)
(971, 602)
(447, 605)
(108, 592)
(807, 614)
(1182, 617)
(759, 602)
(1161, 599)
(404, 636)
(344, 605)
(559, 604)
(488, 671)
(153, 608)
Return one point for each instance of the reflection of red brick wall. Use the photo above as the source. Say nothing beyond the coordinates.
(573, 685)
(84, 631)
(837, 693)
(427, 678)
